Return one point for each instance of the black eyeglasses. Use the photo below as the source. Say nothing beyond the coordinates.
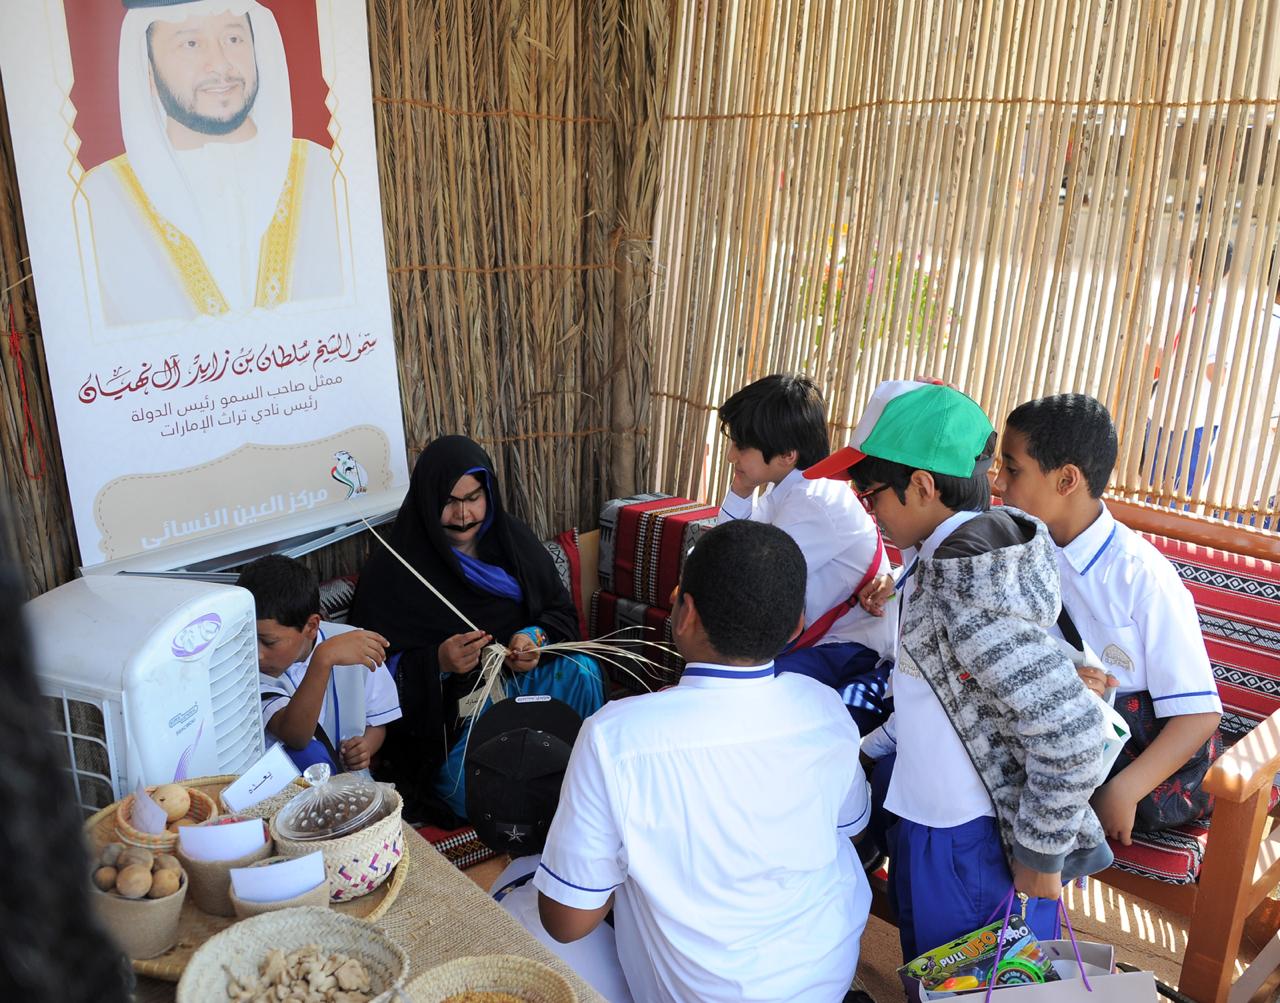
(866, 497)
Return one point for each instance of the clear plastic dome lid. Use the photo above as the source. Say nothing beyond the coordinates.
(331, 806)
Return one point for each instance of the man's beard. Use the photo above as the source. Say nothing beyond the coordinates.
(207, 125)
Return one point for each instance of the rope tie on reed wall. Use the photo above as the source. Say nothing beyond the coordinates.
(29, 438)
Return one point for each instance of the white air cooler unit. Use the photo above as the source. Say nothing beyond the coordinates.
(148, 680)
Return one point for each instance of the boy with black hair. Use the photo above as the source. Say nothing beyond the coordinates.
(776, 427)
(713, 817)
(326, 692)
(1123, 599)
(999, 745)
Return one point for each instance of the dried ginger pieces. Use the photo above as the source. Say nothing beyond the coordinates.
(304, 976)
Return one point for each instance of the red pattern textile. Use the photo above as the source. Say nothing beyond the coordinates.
(462, 846)
(1238, 599)
(643, 544)
(611, 612)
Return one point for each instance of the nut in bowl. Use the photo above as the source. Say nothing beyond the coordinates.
(199, 808)
(138, 895)
(310, 954)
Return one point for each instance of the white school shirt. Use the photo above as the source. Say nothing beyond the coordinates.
(354, 699)
(934, 781)
(838, 540)
(594, 957)
(718, 813)
(1131, 608)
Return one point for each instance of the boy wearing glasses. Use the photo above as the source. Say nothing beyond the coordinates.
(776, 427)
(999, 744)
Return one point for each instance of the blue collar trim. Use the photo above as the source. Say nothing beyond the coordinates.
(703, 670)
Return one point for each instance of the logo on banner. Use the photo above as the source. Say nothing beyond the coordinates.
(349, 472)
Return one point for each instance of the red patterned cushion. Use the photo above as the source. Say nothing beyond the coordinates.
(567, 555)
(1173, 856)
(610, 613)
(1238, 599)
(643, 542)
(462, 846)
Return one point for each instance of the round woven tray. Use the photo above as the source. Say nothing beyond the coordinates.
(239, 951)
(195, 927)
(495, 973)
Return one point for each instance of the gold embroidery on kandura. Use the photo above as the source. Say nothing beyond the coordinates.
(280, 242)
(201, 289)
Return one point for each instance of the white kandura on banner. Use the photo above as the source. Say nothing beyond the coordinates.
(206, 241)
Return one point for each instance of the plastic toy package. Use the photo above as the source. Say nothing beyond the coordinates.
(965, 964)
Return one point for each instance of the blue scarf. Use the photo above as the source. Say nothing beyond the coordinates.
(493, 579)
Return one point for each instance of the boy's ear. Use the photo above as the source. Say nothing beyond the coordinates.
(790, 457)
(312, 626)
(1069, 479)
(924, 483)
(685, 621)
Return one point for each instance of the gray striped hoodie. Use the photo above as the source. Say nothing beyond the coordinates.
(975, 625)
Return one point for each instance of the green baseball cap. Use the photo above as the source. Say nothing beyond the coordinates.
(925, 426)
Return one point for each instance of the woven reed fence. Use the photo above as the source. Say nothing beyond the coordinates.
(1021, 198)
(518, 153)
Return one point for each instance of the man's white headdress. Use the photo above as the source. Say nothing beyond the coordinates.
(143, 118)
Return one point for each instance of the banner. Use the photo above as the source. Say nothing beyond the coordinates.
(200, 190)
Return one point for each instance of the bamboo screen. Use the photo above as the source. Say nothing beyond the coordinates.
(1020, 198)
(517, 147)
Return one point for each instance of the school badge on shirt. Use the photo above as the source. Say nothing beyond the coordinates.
(1116, 656)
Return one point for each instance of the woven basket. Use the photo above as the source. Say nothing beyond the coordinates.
(317, 896)
(239, 950)
(493, 973)
(211, 879)
(142, 928)
(202, 809)
(358, 863)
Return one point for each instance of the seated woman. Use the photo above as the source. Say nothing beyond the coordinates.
(453, 530)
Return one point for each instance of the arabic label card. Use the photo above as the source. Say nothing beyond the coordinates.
(267, 777)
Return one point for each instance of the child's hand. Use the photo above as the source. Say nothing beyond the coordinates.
(355, 753)
(1098, 680)
(876, 593)
(1036, 884)
(461, 653)
(742, 485)
(1115, 810)
(524, 653)
(354, 647)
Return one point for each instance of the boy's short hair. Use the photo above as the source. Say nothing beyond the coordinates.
(960, 494)
(284, 590)
(776, 414)
(747, 579)
(1069, 428)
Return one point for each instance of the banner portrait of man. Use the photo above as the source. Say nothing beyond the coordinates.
(215, 206)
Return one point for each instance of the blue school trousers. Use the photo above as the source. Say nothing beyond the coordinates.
(946, 883)
(853, 670)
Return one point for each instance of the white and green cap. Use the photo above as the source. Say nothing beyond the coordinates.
(925, 426)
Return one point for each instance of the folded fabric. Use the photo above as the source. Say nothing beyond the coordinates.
(643, 543)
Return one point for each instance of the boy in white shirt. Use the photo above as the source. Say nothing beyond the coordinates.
(1127, 602)
(776, 428)
(326, 692)
(714, 817)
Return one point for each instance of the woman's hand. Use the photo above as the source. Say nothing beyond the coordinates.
(524, 653)
(461, 653)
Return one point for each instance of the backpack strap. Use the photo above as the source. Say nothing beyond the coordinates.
(817, 630)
